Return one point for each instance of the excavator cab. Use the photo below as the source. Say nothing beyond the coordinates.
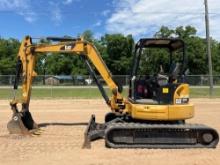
(156, 85)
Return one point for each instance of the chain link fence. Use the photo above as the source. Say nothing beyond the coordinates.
(83, 86)
(64, 80)
(85, 80)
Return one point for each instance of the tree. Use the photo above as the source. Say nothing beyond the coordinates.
(164, 32)
(119, 49)
(8, 52)
(186, 32)
(195, 47)
(215, 56)
(88, 35)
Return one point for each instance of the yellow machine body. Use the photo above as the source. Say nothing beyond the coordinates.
(161, 112)
(170, 112)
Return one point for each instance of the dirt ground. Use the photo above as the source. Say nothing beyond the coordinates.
(60, 143)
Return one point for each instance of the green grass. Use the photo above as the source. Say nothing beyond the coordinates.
(204, 93)
(57, 93)
(87, 93)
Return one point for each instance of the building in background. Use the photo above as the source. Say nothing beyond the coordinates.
(57, 80)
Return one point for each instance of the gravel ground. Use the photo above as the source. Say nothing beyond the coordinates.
(62, 137)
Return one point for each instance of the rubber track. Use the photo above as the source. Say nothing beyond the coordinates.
(131, 135)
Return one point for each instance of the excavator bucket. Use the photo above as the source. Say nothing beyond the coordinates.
(21, 122)
(16, 125)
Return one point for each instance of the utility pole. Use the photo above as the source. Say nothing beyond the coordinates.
(208, 48)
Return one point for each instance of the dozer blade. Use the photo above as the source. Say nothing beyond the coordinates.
(93, 132)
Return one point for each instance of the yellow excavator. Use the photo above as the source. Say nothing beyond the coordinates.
(152, 116)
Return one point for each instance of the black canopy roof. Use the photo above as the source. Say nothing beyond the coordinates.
(170, 43)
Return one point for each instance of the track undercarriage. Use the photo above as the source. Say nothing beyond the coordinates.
(122, 134)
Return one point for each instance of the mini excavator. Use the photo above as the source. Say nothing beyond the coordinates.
(152, 116)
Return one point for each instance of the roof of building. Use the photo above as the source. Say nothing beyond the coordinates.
(63, 77)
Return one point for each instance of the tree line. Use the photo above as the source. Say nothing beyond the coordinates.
(117, 52)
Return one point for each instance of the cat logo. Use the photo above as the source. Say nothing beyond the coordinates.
(67, 47)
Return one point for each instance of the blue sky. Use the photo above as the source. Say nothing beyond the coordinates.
(55, 17)
(141, 18)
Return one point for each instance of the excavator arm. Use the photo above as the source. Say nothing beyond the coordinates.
(27, 58)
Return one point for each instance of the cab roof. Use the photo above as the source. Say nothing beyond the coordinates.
(170, 43)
